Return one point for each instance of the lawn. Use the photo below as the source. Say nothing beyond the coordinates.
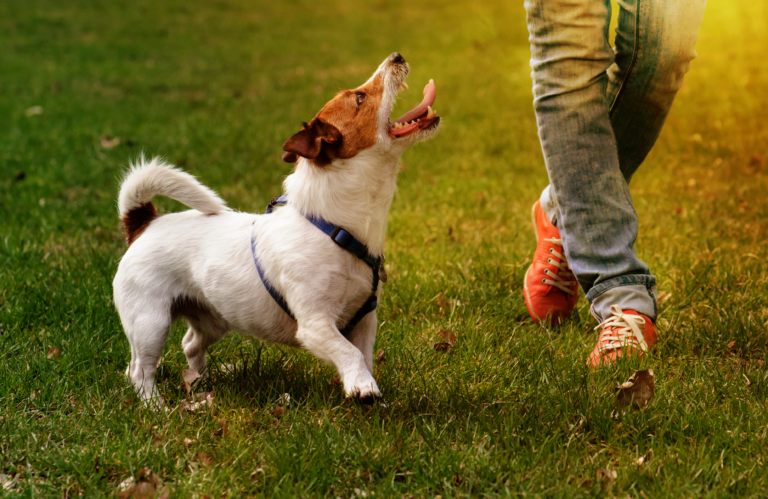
(511, 409)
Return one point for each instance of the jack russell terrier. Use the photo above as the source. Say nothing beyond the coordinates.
(305, 275)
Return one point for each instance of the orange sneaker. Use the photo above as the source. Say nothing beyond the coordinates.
(624, 333)
(550, 288)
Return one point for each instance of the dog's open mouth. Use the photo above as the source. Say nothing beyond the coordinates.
(420, 117)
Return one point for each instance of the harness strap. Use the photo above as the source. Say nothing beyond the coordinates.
(344, 239)
(272, 291)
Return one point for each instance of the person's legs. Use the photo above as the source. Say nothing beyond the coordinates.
(589, 164)
(654, 49)
(588, 199)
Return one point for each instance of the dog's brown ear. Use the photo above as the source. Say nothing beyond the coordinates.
(312, 142)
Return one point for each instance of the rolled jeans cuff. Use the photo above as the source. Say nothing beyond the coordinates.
(630, 292)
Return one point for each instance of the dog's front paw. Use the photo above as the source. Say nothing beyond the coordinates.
(362, 387)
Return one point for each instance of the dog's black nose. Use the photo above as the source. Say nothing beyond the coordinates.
(397, 58)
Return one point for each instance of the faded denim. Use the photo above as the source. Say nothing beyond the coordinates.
(599, 111)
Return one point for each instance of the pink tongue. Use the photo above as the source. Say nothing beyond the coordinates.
(430, 92)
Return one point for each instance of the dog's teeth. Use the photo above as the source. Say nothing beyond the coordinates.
(430, 112)
(403, 86)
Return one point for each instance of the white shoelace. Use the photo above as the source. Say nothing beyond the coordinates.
(627, 331)
(564, 271)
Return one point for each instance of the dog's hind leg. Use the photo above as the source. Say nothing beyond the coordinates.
(205, 329)
(146, 328)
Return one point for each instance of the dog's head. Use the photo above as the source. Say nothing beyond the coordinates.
(358, 119)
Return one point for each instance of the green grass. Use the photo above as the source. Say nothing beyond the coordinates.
(511, 410)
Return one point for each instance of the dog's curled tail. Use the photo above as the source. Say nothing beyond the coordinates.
(146, 179)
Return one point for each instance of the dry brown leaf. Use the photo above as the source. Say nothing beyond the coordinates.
(147, 475)
(165, 493)
(606, 475)
(197, 401)
(108, 142)
(448, 336)
(6, 482)
(54, 352)
(126, 493)
(144, 490)
(204, 458)
(380, 357)
(442, 346)
(731, 344)
(440, 299)
(637, 391)
(278, 412)
(335, 381)
(190, 375)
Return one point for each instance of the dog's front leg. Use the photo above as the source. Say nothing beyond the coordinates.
(364, 338)
(324, 340)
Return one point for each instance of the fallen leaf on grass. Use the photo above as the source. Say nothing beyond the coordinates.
(335, 381)
(143, 490)
(637, 391)
(606, 475)
(108, 142)
(440, 299)
(147, 487)
(731, 344)
(126, 484)
(54, 353)
(204, 458)
(442, 346)
(189, 376)
(197, 401)
(147, 475)
(449, 338)
(278, 412)
(380, 357)
(6, 482)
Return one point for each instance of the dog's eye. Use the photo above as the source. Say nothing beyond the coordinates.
(360, 97)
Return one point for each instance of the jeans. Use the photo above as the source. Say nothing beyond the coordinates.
(599, 111)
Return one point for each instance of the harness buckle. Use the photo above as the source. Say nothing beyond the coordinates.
(342, 237)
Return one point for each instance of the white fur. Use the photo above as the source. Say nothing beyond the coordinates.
(143, 181)
(204, 256)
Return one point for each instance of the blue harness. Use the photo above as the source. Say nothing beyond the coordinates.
(343, 239)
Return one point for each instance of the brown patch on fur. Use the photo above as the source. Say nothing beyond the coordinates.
(137, 220)
(343, 127)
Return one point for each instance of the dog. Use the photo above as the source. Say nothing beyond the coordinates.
(276, 276)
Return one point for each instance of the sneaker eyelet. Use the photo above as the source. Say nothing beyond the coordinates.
(549, 260)
(551, 251)
(543, 281)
